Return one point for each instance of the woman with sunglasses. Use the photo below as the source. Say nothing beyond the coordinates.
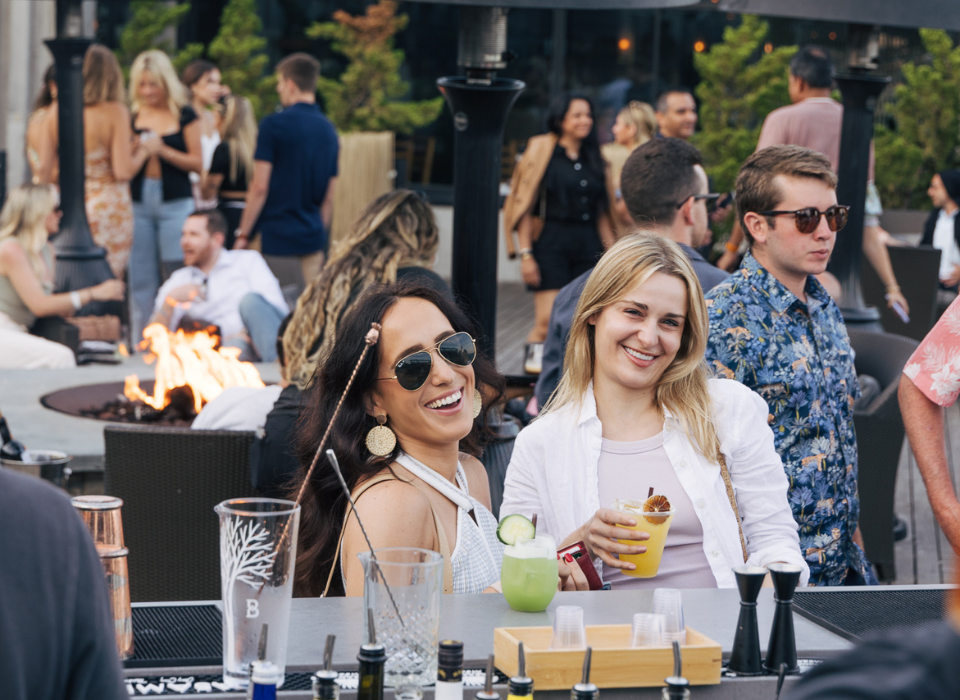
(30, 216)
(634, 411)
(406, 438)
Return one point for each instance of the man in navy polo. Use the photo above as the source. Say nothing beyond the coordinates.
(294, 174)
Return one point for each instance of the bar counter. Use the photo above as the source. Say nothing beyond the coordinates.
(472, 619)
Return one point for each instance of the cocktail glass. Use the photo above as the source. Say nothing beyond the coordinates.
(258, 544)
(657, 525)
(529, 574)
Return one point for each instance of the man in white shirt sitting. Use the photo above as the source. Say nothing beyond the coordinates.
(231, 289)
(941, 229)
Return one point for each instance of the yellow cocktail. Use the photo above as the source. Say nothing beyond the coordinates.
(657, 525)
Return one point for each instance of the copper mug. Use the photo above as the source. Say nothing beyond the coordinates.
(101, 515)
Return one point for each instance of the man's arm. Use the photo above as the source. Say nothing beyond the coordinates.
(256, 197)
(326, 209)
(173, 298)
(923, 420)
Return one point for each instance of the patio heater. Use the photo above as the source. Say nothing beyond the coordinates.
(80, 263)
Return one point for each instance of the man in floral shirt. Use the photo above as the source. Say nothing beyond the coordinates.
(774, 328)
(930, 382)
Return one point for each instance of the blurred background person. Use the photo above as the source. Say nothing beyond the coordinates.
(558, 207)
(46, 97)
(30, 216)
(395, 239)
(168, 150)
(942, 227)
(231, 167)
(676, 113)
(108, 156)
(634, 126)
(202, 79)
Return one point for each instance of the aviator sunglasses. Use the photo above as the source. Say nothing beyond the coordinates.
(808, 219)
(412, 370)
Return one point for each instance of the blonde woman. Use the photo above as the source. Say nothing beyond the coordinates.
(168, 150)
(231, 166)
(108, 156)
(634, 126)
(30, 216)
(636, 410)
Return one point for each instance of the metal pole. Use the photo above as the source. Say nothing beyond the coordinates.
(3, 178)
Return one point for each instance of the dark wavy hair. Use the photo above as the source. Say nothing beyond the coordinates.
(590, 146)
(324, 503)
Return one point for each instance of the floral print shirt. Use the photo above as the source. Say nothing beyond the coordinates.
(797, 356)
(935, 365)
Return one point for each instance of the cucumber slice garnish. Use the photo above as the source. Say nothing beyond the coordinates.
(515, 527)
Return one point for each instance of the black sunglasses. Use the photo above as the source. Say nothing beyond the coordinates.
(808, 219)
(412, 371)
(711, 198)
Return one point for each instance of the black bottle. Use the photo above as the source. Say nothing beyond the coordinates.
(449, 671)
(372, 658)
(9, 448)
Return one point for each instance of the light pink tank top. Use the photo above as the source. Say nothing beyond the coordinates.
(627, 470)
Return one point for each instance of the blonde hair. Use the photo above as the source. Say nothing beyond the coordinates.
(682, 388)
(157, 64)
(239, 131)
(23, 217)
(396, 230)
(641, 116)
(102, 77)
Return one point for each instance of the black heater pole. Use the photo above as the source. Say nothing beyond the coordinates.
(860, 91)
(80, 263)
(480, 103)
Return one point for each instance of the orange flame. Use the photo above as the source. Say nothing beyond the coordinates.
(190, 359)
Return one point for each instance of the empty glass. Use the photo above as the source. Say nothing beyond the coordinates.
(402, 600)
(101, 515)
(667, 602)
(258, 544)
(647, 630)
(568, 629)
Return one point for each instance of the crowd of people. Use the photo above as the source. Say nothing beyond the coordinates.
(731, 390)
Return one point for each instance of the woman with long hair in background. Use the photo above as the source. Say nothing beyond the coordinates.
(28, 219)
(231, 166)
(635, 124)
(35, 130)
(108, 156)
(558, 207)
(168, 150)
(202, 80)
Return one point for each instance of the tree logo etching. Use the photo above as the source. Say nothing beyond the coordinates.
(247, 555)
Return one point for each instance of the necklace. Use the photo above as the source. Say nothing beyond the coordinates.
(429, 476)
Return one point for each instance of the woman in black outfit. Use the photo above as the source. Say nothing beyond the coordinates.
(564, 180)
(232, 165)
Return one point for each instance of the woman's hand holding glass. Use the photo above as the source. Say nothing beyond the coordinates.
(601, 532)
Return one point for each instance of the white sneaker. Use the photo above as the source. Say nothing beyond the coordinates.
(533, 358)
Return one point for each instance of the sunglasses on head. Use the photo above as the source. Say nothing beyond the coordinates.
(412, 370)
(808, 219)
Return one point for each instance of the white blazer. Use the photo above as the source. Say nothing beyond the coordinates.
(553, 473)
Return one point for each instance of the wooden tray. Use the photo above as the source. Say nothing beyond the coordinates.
(615, 664)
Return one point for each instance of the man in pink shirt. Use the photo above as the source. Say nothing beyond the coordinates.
(814, 120)
(930, 383)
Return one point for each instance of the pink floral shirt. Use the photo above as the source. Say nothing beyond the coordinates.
(935, 366)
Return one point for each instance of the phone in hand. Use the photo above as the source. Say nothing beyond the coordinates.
(578, 551)
(899, 311)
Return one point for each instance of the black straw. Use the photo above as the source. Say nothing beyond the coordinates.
(522, 663)
(328, 652)
(586, 665)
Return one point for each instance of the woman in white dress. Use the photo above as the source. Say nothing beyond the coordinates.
(406, 438)
(636, 410)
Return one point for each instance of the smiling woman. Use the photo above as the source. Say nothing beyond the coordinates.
(407, 438)
(634, 412)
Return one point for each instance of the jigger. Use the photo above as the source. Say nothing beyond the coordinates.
(745, 657)
(782, 648)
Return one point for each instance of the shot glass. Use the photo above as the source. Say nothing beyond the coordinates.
(568, 629)
(647, 630)
(667, 602)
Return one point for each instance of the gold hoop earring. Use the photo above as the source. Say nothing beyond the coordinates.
(477, 403)
(381, 440)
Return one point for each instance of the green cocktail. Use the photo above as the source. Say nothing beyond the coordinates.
(529, 574)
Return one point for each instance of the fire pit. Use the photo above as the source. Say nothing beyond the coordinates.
(191, 369)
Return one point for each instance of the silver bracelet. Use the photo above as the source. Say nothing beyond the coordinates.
(76, 301)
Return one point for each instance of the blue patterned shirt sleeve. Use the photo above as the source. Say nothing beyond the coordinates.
(797, 356)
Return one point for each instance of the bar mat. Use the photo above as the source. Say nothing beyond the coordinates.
(854, 614)
(176, 635)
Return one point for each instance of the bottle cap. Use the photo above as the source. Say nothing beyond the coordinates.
(585, 691)
(520, 686)
(324, 685)
(677, 682)
(450, 654)
(372, 654)
(264, 673)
